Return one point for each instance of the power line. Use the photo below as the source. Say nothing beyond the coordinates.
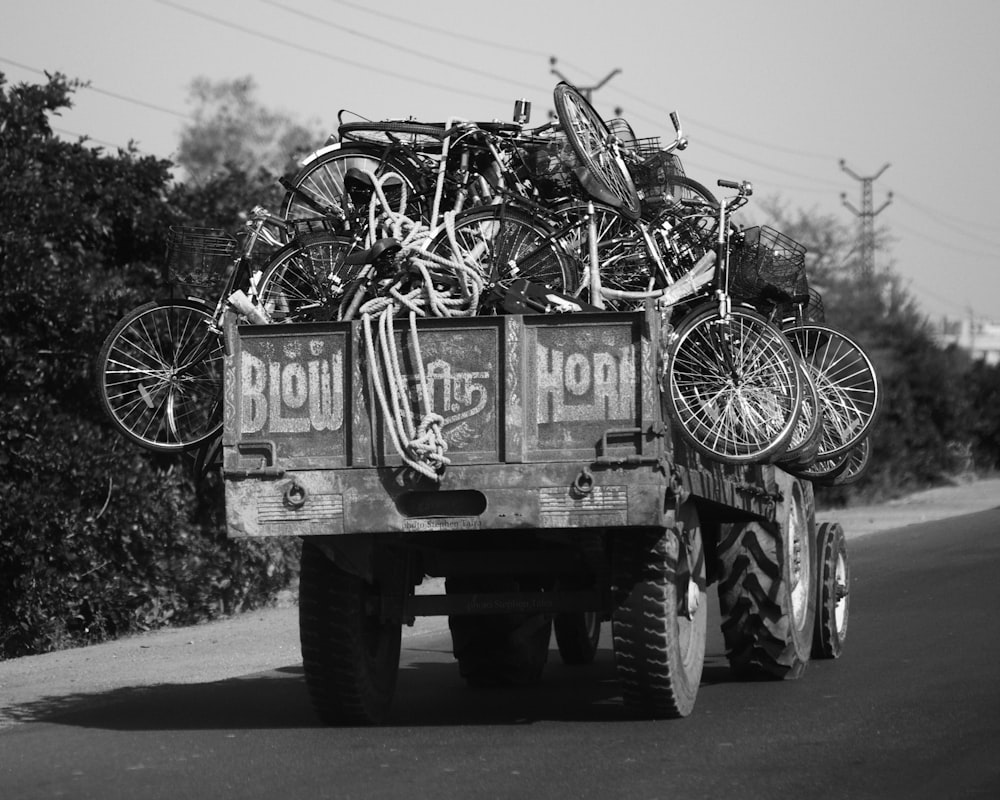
(369, 68)
(944, 219)
(84, 138)
(951, 247)
(463, 37)
(730, 134)
(465, 67)
(86, 85)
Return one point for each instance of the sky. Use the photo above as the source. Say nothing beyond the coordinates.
(776, 92)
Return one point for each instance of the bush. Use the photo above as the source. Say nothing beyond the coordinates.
(100, 538)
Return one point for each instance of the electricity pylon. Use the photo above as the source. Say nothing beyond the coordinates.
(867, 216)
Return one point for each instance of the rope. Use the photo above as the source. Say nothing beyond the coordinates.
(414, 290)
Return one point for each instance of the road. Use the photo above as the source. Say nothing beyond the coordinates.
(911, 710)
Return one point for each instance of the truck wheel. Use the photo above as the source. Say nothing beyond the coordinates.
(833, 592)
(659, 620)
(350, 655)
(498, 649)
(577, 635)
(766, 592)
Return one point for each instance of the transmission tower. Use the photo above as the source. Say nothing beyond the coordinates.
(867, 217)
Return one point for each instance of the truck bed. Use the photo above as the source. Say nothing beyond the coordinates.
(551, 422)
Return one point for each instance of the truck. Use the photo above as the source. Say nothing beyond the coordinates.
(565, 499)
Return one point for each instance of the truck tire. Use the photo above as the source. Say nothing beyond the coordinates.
(577, 635)
(660, 618)
(833, 585)
(350, 656)
(498, 649)
(766, 591)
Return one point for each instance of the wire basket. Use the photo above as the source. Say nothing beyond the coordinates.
(199, 256)
(621, 129)
(646, 147)
(768, 265)
(652, 175)
(813, 310)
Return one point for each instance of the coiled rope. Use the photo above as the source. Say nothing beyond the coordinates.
(413, 290)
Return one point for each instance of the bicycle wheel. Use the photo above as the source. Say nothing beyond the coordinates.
(418, 135)
(597, 149)
(506, 244)
(308, 279)
(804, 443)
(856, 464)
(733, 385)
(626, 264)
(848, 385)
(323, 182)
(159, 375)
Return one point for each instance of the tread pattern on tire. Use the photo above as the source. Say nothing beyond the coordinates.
(757, 625)
(644, 627)
(346, 682)
(829, 641)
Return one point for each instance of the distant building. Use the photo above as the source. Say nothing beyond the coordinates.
(979, 337)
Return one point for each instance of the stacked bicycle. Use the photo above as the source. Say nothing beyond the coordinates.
(484, 218)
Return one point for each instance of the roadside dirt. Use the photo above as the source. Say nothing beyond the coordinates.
(265, 640)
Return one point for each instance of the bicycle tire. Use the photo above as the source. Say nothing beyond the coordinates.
(733, 385)
(849, 386)
(805, 439)
(506, 244)
(856, 463)
(308, 279)
(320, 183)
(626, 264)
(159, 375)
(413, 134)
(590, 139)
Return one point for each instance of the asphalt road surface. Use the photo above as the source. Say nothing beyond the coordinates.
(912, 710)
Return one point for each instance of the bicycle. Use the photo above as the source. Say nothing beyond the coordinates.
(733, 382)
(159, 370)
(462, 164)
(438, 166)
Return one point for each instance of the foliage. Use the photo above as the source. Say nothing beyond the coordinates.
(232, 131)
(98, 538)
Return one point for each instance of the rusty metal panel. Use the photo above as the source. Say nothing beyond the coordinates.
(581, 380)
(464, 368)
(290, 389)
(602, 506)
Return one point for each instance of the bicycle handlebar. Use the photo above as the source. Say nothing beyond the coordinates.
(745, 188)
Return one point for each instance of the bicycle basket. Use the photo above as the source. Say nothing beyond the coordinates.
(813, 310)
(620, 128)
(768, 265)
(652, 173)
(646, 147)
(199, 256)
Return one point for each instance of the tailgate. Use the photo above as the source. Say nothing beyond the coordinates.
(510, 389)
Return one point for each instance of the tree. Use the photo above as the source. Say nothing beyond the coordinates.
(231, 130)
(99, 538)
